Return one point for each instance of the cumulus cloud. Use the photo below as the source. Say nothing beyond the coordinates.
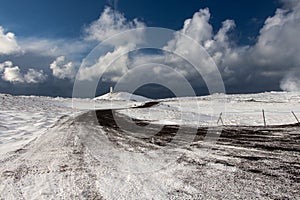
(199, 29)
(62, 69)
(274, 57)
(276, 54)
(42, 46)
(33, 76)
(5, 64)
(13, 74)
(198, 26)
(8, 42)
(197, 42)
(112, 22)
(278, 43)
(112, 64)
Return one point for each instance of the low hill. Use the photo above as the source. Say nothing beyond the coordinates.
(122, 96)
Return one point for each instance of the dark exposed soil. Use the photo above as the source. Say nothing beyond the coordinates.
(281, 139)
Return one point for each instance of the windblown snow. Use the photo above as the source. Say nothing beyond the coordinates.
(123, 146)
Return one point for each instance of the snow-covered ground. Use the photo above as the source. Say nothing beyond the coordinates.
(56, 148)
(122, 96)
(236, 110)
(23, 118)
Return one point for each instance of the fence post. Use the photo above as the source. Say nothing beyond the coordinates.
(263, 112)
(220, 119)
(296, 117)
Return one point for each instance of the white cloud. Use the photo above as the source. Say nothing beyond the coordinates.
(275, 55)
(111, 64)
(33, 76)
(8, 42)
(62, 69)
(222, 36)
(200, 30)
(219, 46)
(278, 43)
(42, 46)
(13, 74)
(5, 64)
(198, 26)
(112, 22)
(278, 46)
(55, 47)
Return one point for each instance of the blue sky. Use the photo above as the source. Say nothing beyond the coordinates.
(252, 42)
(66, 18)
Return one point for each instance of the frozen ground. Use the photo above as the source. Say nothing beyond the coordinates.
(235, 109)
(50, 150)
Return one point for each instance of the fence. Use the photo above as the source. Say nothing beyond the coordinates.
(264, 116)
